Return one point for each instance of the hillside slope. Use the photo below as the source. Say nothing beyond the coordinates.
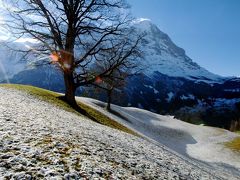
(201, 143)
(41, 140)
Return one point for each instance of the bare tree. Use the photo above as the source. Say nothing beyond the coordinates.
(75, 34)
(116, 81)
(127, 65)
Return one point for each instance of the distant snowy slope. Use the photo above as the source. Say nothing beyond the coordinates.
(162, 55)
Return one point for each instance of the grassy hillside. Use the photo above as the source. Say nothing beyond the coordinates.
(234, 144)
(42, 94)
(53, 98)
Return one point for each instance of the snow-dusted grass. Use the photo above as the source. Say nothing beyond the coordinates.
(53, 98)
(105, 120)
(42, 94)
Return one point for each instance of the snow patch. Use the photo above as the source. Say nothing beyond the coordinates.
(170, 96)
(189, 96)
(139, 20)
(154, 90)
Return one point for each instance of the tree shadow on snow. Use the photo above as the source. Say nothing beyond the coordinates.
(147, 124)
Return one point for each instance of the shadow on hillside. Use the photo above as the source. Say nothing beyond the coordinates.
(174, 139)
(150, 125)
(112, 111)
(80, 110)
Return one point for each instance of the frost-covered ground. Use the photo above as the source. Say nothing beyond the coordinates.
(200, 143)
(39, 140)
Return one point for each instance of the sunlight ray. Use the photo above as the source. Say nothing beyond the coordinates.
(4, 73)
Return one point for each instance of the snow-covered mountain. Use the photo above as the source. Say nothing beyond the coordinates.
(162, 55)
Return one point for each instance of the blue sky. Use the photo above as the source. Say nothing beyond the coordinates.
(208, 30)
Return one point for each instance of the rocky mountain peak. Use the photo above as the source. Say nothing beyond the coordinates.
(164, 56)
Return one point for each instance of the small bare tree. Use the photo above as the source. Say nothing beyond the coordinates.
(125, 67)
(116, 81)
(75, 34)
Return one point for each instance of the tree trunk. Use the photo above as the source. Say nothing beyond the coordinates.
(109, 100)
(70, 89)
